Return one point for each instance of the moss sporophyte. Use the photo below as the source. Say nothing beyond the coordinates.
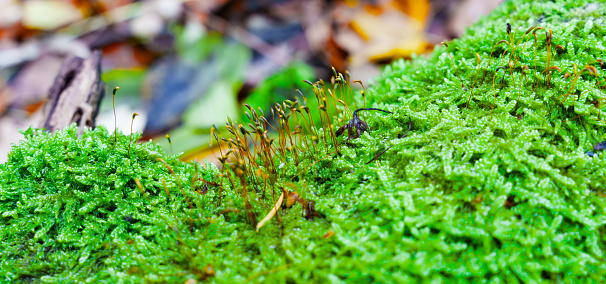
(479, 174)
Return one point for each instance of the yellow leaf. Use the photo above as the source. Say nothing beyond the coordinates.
(272, 212)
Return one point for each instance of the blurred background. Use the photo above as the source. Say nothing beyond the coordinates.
(186, 65)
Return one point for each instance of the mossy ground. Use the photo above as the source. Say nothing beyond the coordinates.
(474, 193)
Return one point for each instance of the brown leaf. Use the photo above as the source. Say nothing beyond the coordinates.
(291, 198)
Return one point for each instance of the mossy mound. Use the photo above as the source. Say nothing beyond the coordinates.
(493, 180)
(68, 204)
(493, 183)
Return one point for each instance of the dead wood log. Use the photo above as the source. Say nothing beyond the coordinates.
(76, 94)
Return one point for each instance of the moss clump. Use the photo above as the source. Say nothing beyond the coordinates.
(68, 204)
(492, 183)
(495, 190)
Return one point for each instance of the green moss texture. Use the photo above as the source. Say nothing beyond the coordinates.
(497, 180)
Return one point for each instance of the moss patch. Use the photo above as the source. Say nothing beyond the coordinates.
(492, 183)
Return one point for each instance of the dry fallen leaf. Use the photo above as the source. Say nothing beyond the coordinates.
(272, 212)
(291, 198)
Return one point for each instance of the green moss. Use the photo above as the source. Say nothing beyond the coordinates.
(67, 203)
(477, 193)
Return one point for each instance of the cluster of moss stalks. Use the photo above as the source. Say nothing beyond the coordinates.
(494, 182)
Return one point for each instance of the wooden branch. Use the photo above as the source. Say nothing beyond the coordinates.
(75, 95)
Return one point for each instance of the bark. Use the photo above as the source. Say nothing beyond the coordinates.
(76, 94)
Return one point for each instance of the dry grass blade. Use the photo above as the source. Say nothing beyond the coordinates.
(272, 212)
